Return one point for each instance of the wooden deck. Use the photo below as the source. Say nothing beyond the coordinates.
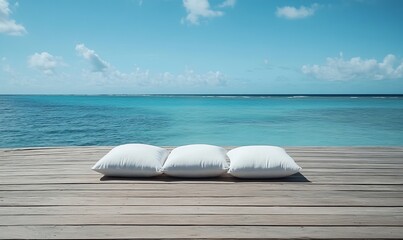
(51, 193)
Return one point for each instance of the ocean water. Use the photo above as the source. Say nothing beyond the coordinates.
(51, 120)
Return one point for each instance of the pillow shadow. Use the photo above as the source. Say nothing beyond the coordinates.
(297, 177)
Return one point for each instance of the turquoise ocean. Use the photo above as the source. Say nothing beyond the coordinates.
(171, 120)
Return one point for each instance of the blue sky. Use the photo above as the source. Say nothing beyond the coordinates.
(200, 46)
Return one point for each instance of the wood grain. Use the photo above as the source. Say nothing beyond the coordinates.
(342, 192)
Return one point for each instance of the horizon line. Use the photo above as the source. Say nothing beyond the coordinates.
(206, 94)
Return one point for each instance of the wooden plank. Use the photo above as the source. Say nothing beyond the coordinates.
(255, 187)
(387, 173)
(186, 210)
(202, 201)
(85, 172)
(71, 160)
(204, 220)
(199, 192)
(318, 161)
(235, 232)
(390, 180)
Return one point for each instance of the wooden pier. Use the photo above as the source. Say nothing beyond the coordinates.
(342, 192)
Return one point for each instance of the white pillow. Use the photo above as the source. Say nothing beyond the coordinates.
(261, 162)
(198, 160)
(132, 160)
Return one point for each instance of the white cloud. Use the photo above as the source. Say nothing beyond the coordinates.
(197, 9)
(291, 13)
(4, 9)
(356, 68)
(211, 78)
(105, 74)
(7, 25)
(98, 64)
(44, 62)
(141, 77)
(227, 3)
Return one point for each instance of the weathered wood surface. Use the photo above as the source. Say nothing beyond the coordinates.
(342, 192)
